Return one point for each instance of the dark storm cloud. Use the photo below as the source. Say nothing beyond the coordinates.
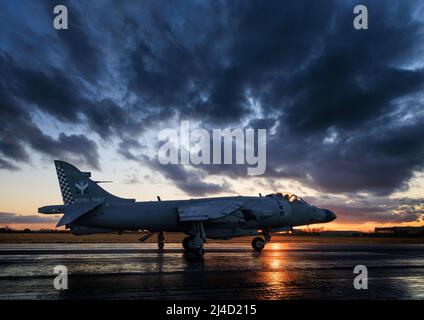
(58, 94)
(19, 131)
(77, 147)
(346, 98)
(339, 81)
(82, 50)
(126, 146)
(4, 164)
(12, 218)
(190, 181)
(356, 209)
(182, 68)
(342, 106)
(322, 77)
(380, 162)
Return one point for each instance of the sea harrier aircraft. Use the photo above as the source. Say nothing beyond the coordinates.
(88, 209)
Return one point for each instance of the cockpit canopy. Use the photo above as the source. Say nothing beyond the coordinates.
(291, 197)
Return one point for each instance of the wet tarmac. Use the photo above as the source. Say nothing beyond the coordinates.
(227, 271)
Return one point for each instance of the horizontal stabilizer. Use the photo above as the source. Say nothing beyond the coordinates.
(74, 211)
(208, 210)
(54, 209)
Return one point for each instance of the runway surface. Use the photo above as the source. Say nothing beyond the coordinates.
(227, 271)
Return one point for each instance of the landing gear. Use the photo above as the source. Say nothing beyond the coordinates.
(267, 235)
(188, 243)
(200, 251)
(199, 238)
(194, 243)
(161, 240)
(258, 244)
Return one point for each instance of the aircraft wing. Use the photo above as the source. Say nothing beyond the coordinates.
(208, 210)
(76, 210)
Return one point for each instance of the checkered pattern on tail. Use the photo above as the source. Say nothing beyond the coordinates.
(67, 196)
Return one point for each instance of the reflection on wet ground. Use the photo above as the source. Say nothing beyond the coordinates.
(227, 271)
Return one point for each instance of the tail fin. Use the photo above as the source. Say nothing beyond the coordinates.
(77, 187)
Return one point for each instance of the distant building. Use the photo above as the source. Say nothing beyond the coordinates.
(401, 231)
(341, 233)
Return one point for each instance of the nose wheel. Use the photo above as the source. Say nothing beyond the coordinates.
(258, 243)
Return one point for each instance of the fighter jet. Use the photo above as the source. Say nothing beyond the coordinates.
(89, 209)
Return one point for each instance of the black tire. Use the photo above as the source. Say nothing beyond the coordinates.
(200, 251)
(186, 243)
(258, 244)
(161, 245)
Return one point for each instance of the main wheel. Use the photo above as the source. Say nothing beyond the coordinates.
(200, 251)
(188, 243)
(258, 244)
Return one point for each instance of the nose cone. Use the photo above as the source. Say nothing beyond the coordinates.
(329, 215)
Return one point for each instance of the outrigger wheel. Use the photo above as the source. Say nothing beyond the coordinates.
(258, 244)
(161, 240)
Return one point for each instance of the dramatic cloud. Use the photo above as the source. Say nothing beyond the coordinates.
(357, 209)
(191, 181)
(7, 165)
(20, 131)
(14, 218)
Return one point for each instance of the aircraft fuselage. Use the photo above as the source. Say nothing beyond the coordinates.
(265, 212)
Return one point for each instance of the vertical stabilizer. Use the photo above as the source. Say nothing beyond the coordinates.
(77, 187)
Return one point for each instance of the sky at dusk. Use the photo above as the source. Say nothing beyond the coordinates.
(343, 108)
